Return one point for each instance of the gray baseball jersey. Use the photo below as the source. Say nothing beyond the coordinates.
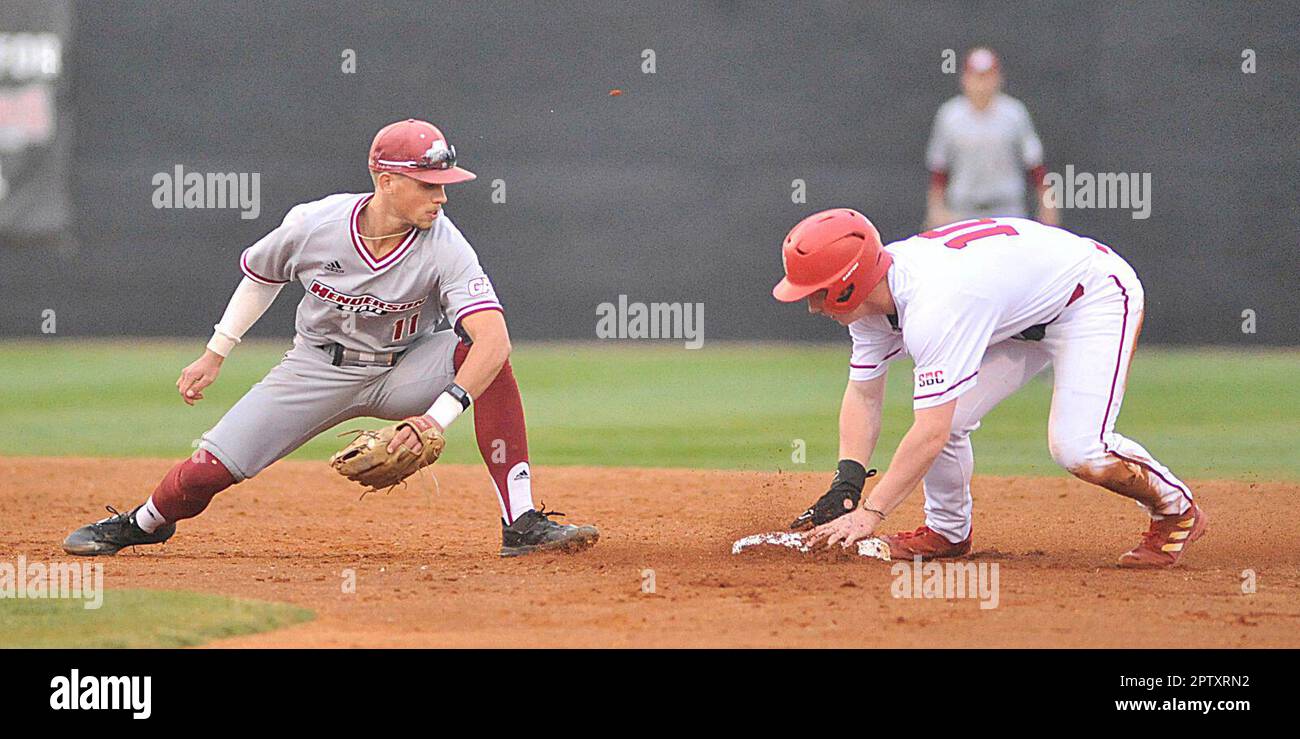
(363, 303)
(984, 155)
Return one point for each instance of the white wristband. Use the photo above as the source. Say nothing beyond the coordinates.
(221, 342)
(249, 302)
(445, 410)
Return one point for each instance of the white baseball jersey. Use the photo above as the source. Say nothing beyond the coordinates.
(984, 154)
(963, 287)
(364, 303)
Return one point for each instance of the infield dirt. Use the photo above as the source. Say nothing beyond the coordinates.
(427, 573)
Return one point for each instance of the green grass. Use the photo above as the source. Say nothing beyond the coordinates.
(1205, 413)
(139, 619)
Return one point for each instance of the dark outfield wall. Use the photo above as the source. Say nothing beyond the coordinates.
(678, 189)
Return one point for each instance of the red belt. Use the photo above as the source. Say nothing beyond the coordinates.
(1078, 293)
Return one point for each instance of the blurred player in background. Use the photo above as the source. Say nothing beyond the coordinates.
(983, 151)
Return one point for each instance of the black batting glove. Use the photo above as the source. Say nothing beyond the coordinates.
(843, 497)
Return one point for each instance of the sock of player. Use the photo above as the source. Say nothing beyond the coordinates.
(503, 440)
(186, 489)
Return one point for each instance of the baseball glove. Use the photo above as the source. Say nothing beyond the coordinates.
(366, 459)
(845, 492)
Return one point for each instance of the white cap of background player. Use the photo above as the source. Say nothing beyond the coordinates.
(982, 59)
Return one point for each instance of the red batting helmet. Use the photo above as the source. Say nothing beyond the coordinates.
(416, 149)
(838, 251)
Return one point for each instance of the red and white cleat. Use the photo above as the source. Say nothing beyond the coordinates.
(926, 543)
(1164, 543)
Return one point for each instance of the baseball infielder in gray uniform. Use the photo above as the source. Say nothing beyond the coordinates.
(983, 151)
(381, 270)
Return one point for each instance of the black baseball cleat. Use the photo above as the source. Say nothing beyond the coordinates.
(112, 534)
(534, 532)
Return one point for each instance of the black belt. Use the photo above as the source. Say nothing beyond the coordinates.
(341, 356)
(1033, 333)
(1039, 332)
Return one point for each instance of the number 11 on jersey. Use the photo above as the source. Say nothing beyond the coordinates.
(972, 232)
(406, 327)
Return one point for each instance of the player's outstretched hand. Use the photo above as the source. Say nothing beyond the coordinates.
(845, 492)
(201, 373)
(846, 530)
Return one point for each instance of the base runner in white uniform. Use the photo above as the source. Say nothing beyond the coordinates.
(381, 271)
(981, 306)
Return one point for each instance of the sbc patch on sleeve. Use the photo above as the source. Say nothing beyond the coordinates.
(929, 381)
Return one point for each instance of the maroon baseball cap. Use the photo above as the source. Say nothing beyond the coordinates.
(417, 149)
